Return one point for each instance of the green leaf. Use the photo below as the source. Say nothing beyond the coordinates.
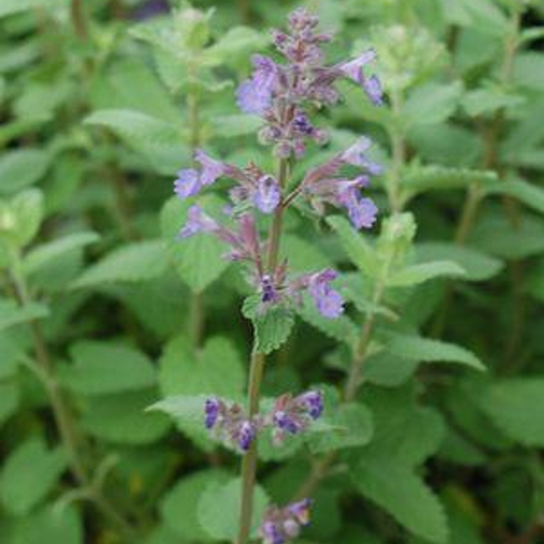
(216, 369)
(199, 260)
(219, 506)
(184, 497)
(403, 494)
(516, 407)
(478, 265)
(235, 43)
(182, 408)
(51, 525)
(357, 248)
(230, 126)
(42, 255)
(484, 16)
(529, 70)
(12, 314)
(21, 217)
(354, 428)
(10, 7)
(29, 474)
(436, 178)
(160, 141)
(121, 418)
(427, 351)
(139, 261)
(272, 325)
(101, 368)
(527, 193)
(489, 100)
(21, 168)
(420, 273)
(9, 400)
(432, 103)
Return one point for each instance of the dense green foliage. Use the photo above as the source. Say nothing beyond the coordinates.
(112, 331)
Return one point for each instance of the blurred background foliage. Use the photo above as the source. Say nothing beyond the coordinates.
(102, 313)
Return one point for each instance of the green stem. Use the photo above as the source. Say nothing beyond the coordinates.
(79, 20)
(249, 461)
(398, 148)
(64, 419)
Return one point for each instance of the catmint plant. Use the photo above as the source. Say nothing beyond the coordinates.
(284, 95)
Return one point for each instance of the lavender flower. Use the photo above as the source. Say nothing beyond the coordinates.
(329, 302)
(212, 407)
(267, 194)
(187, 183)
(280, 525)
(293, 415)
(356, 156)
(255, 94)
(211, 168)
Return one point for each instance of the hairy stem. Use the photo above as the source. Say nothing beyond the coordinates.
(79, 20)
(249, 461)
(398, 146)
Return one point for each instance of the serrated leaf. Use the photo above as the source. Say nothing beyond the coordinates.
(103, 367)
(12, 314)
(420, 273)
(403, 494)
(160, 141)
(478, 265)
(432, 103)
(354, 428)
(428, 350)
(230, 126)
(182, 408)
(219, 507)
(184, 496)
(529, 194)
(272, 325)
(199, 260)
(44, 254)
(121, 418)
(139, 261)
(9, 400)
(29, 474)
(359, 251)
(516, 407)
(485, 101)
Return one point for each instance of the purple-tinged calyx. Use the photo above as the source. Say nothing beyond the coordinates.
(280, 525)
(356, 156)
(197, 221)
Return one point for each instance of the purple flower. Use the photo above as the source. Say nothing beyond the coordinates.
(355, 155)
(373, 89)
(286, 422)
(267, 194)
(354, 68)
(197, 221)
(246, 434)
(255, 95)
(271, 533)
(211, 168)
(187, 183)
(212, 407)
(314, 402)
(329, 302)
(269, 294)
(301, 510)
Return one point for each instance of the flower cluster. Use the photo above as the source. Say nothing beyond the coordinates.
(290, 415)
(293, 415)
(280, 525)
(229, 423)
(282, 94)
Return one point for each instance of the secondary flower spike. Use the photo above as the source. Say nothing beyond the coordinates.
(280, 525)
